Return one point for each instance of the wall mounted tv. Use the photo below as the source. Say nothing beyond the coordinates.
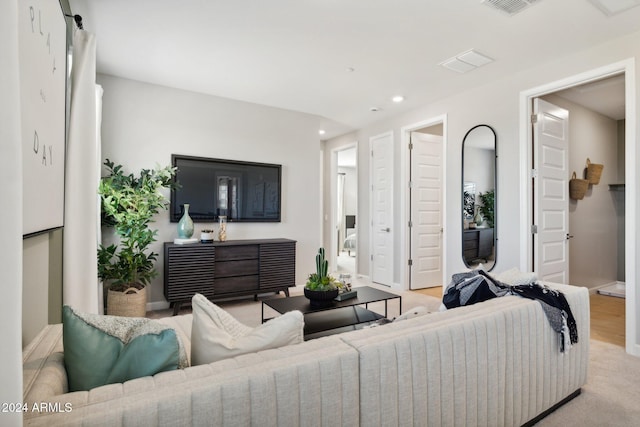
(243, 191)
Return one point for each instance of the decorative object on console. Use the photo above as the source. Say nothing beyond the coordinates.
(185, 225)
(321, 288)
(129, 204)
(222, 233)
(206, 236)
(477, 219)
(594, 171)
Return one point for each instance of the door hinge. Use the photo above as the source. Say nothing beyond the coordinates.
(410, 184)
(371, 153)
(534, 229)
(534, 119)
(410, 224)
(534, 173)
(410, 262)
(411, 146)
(371, 257)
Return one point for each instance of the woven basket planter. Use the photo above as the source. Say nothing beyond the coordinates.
(577, 187)
(130, 303)
(594, 171)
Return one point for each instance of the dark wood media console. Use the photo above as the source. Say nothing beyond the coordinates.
(228, 269)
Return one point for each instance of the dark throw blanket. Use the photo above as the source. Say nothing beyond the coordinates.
(477, 286)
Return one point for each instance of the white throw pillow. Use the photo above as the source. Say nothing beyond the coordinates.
(414, 312)
(217, 335)
(516, 277)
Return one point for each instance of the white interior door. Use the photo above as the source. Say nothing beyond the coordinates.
(551, 192)
(426, 211)
(382, 209)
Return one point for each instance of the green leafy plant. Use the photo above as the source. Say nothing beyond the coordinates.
(129, 204)
(487, 208)
(321, 280)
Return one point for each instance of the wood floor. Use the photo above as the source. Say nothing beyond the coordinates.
(607, 316)
(607, 319)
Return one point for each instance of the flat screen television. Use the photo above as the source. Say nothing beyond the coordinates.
(243, 191)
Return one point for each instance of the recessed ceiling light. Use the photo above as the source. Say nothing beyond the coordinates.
(321, 132)
(398, 98)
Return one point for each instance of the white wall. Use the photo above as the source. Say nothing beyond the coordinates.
(144, 124)
(593, 251)
(10, 214)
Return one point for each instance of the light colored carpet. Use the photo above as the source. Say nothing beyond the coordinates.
(611, 396)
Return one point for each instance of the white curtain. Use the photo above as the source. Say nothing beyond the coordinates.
(81, 288)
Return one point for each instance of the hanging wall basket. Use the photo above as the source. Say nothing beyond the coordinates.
(594, 171)
(577, 187)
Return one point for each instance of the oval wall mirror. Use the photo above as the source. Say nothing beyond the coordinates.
(479, 185)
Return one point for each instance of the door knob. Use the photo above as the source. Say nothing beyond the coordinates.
(386, 230)
(569, 236)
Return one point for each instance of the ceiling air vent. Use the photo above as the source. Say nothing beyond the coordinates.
(510, 7)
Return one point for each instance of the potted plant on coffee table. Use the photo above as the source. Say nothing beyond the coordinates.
(321, 288)
(129, 204)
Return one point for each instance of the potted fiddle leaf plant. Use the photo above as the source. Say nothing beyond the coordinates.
(487, 208)
(129, 204)
(321, 288)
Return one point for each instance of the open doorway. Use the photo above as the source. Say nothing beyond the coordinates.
(345, 212)
(596, 222)
(594, 246)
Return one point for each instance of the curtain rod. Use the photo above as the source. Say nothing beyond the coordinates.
(78, 20)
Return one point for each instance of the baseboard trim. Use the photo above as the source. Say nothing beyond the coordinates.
(595, 289)
(553, 408)
(157, 305)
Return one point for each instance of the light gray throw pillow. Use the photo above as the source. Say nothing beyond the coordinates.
(217, 335)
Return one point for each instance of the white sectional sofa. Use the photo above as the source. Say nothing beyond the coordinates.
(495, 363)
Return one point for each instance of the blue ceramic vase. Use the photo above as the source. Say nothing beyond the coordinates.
(185, 225)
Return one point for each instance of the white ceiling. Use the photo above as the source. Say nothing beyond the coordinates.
(605, 96)
(298, 54)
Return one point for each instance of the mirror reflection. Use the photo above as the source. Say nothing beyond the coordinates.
(478, 197)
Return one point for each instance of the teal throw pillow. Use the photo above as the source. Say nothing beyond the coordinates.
(101, 350)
